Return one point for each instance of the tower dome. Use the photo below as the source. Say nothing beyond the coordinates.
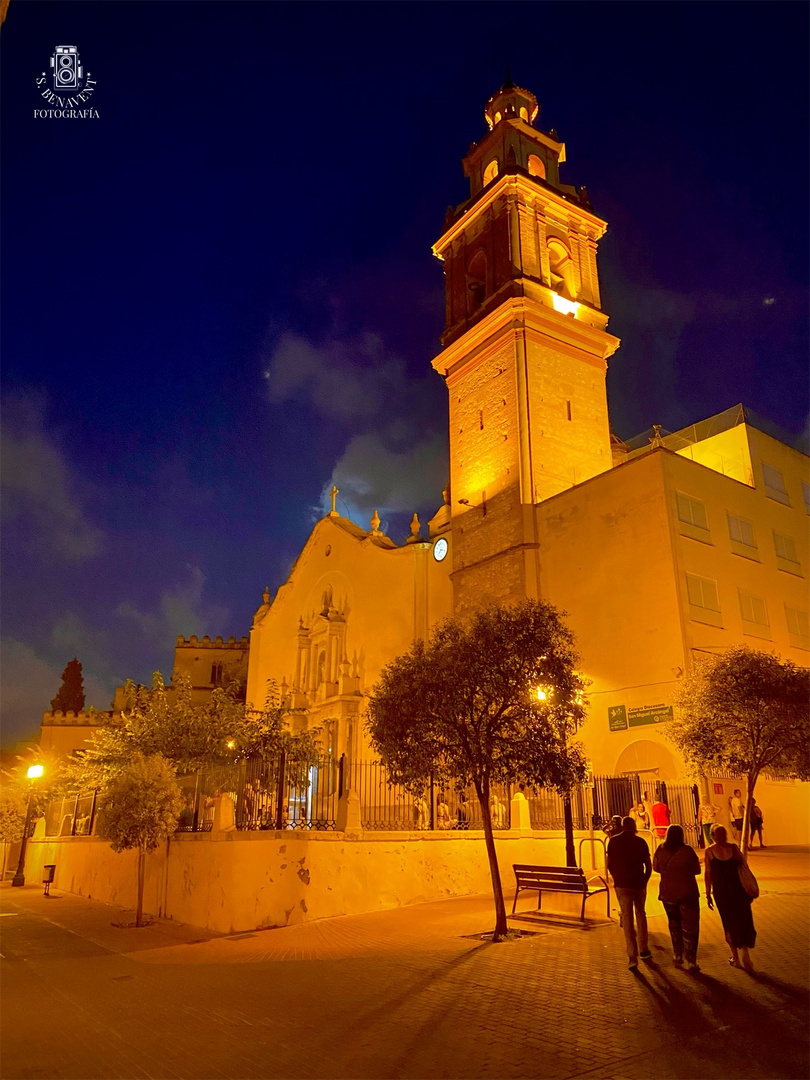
(511, 103)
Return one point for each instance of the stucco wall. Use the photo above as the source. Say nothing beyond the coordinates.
(234, 881)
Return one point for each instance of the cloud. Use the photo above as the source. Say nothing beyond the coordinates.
(37, 485)
(373, 475)
(180, 612)
(346, 378)
(70, 637)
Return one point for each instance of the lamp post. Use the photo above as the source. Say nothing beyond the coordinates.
(34, 773)
(543, 694)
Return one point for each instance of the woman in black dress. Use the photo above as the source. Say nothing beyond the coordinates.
(722, 879)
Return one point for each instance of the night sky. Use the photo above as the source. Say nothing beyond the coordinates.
(219, 296)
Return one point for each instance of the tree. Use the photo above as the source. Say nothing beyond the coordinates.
(465, 707)
(748, 712)
(165, 720)
(139, 809)
(13, 805)
(70, 695)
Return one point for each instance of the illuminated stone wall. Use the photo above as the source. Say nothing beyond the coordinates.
(241, 881)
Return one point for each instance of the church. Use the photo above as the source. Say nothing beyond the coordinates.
(661, 550)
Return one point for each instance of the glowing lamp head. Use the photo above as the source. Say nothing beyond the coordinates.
(35, 771)
(542, 694)
(231, 744)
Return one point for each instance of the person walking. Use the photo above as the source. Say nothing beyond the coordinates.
(679, 867)
(756, 824)
(629, 864)
(722, 881)
(614, 826)
(735, 813)
(708, 813)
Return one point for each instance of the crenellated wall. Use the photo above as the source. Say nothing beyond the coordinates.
(61, 733)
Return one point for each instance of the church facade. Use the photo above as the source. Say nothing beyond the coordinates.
(659, 553)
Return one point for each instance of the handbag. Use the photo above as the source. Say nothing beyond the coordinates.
(748, 881)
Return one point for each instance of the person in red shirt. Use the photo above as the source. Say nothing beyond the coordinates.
(660, 816)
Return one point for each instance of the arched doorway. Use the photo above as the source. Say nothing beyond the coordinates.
(647, 758)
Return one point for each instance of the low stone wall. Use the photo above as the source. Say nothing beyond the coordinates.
(231, 881)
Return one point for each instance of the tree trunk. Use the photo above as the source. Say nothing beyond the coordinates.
(568, 820)
(141, 874)
(497, 889)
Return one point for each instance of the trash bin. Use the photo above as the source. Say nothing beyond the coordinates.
(48, 871)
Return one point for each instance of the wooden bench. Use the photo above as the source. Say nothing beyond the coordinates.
(561, 879)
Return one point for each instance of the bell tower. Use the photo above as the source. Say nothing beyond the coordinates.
(525, 349)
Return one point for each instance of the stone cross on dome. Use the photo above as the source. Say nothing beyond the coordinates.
(333, 494)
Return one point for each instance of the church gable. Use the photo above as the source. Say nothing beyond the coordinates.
(345, 611)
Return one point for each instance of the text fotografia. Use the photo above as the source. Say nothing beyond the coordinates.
(71, 88)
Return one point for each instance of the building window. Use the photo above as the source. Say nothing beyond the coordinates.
(216, 674)
(741, 531)
(692, 518)
(704, 603)
(476, 282)
(785, 547)
(774, 484)
(752, 608)
(806, 496)
(798, 625)
(691, 511)
(536, 166)
(561, 269)
(491, 171)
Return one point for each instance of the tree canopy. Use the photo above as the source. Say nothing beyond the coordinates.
(748, 712)
(70, 695)
(166, 720)
(139, 808)
(495, 699)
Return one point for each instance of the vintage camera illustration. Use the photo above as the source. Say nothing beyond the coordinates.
(67, 71)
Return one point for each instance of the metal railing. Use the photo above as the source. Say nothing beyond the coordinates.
(279, 792)
(72, 816)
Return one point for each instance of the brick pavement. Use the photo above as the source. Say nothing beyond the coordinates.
(403, 993)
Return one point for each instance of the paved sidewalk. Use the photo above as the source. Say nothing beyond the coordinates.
(411, 992)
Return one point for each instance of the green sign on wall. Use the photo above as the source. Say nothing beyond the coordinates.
(649, 714)
(620, 717)
(617, 717)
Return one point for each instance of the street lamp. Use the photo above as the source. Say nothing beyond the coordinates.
(545, 693)
(34, 773)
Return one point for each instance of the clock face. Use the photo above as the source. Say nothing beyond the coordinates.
(440, 549)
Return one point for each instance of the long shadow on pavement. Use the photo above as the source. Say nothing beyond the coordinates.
(723, 1032)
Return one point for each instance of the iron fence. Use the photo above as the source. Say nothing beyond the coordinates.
(390, 807)
(273, 792)
(72, 816)
(547, 808)
(617, 795)
(276, 792)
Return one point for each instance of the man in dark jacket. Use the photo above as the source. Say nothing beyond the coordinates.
(629, 864)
